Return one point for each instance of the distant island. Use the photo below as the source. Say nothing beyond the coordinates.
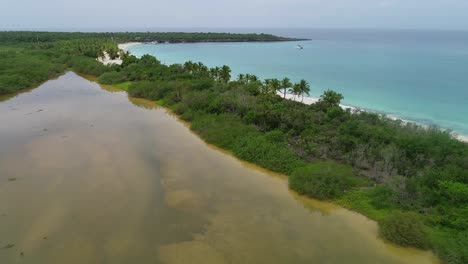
(411, 179)
(160, 37)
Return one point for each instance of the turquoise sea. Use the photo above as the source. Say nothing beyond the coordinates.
(421, 76)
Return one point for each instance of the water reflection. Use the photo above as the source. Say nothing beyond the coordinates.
(102, 180)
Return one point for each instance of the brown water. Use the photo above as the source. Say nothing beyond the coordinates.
(89, 176)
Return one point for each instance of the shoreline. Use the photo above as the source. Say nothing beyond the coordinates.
(125, 46)
(311, 100)
(307, 100)
(106, 60)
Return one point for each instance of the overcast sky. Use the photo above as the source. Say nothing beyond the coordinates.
(69, 14)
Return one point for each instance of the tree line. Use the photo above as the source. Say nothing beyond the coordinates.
(412, 180)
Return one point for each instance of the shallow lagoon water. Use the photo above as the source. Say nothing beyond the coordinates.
(101, 178)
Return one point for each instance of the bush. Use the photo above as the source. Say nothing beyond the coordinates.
(451, 245)
(382, 197)
(112, 77)
(271, 155)
(324, 180)
(227, 131)
(21, 68)
(405, 229)
(87, 65)
(149, 89)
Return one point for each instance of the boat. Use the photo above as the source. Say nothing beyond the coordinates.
(300, 47)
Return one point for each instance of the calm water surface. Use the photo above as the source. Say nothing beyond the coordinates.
(419, 76)
(101, 178)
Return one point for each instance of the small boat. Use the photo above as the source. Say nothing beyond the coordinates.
(300, 47)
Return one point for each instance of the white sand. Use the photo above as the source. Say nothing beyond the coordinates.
(313, 100)
(124, 46)
(107, 60)
(461, 137)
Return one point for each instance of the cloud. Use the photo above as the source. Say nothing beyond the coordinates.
(67, 14)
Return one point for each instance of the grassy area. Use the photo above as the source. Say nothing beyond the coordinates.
(123, 86)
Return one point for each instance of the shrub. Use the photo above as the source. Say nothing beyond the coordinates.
(112, 77)
(382, 197)
(405, 229)
(87, 65)
(149, 89)
(227, 131)
(451, 245)
(276, 136)
(324, 180)
(275, 156)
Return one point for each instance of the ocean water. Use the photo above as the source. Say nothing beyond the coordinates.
(421, 76)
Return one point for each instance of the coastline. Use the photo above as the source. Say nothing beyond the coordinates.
(127, 45)
(445, 235)
(311, 100)
(106, 60)
(306, 100)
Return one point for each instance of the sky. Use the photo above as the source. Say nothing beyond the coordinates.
(128, 14)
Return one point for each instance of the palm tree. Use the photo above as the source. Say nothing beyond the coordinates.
(285, 85)
(225, 73)
(295, 90)
(304, 88)
(189, 66)
(241, 78)
(252, 78)
(247, 78)
(275, 86)
(270, 86)
(214, 72)
(202, 69)
(266, 86)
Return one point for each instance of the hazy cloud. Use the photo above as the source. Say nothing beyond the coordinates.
(239, 13)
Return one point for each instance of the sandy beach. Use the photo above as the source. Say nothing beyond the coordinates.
(124, 46)
(108, 61)
(312, 100)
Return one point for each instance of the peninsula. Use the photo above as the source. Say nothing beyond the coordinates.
(412, 180)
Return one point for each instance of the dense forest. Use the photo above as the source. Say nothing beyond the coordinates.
(412, 180)
(10, 37)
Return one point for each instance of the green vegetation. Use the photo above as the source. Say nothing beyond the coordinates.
(30, 58)
(14, 37)
(324, 180)
(404, 229)
(21, 68)
(412, 180)
(24, 65)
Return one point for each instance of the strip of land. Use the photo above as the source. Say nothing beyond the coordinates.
(411, 179)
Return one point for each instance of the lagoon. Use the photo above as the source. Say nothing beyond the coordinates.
(104, 178)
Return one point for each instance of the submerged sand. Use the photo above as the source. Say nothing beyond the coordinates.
(102, 180)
